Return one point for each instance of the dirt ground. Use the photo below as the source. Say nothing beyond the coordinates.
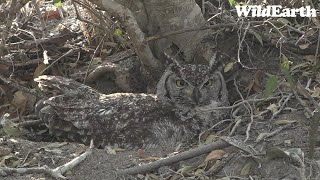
(101, 165)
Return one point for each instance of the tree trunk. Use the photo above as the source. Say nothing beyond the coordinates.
(155, 17)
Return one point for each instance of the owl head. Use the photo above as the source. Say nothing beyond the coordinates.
(192, 85)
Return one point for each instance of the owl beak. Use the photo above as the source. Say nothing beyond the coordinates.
(196, 95)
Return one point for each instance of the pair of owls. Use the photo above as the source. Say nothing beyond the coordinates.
(171, 116)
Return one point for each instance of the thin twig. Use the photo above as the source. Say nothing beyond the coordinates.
(211, 128)
(250, 110)
(42, 23)
(238, 121)
(317, 50)
(241, 103)
(216, 26)
(275, 132)
(282, 106)
(64, 55)
(304, 105)
(240, 44)
(94, 54)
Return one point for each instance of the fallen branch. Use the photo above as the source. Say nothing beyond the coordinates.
(171, 160)
(56, 173)
(30, 123)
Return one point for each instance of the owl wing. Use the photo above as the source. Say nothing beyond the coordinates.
(68, 115)
(123, 119)
(139, 120)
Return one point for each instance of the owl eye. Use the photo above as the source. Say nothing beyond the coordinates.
(209, 82)
(180, 83)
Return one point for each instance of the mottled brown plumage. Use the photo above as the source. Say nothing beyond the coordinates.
(170, 117)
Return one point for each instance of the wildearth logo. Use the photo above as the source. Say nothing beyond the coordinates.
(274, 11)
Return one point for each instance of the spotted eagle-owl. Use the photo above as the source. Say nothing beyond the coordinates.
(171, 116)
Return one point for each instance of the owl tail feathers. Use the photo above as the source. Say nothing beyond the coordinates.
(62, 85)
(43, 111)
(40, 105)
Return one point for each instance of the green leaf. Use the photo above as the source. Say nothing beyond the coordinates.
(118, 32)
(232, 3)
(285, 67)
(285, 64)
(57, 3)
(259, 38)
(271, 84)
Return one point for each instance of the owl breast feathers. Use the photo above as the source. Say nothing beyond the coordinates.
(129, 120)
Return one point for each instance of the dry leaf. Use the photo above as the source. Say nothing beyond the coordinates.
(261, 136)
(316, 92)
(39, 69)
(246, 169)
(51, 15)
(273, 108)
(186, 169)
(110, 150)
(304, 46)
(255, 83)
(215, 155)
(284, 122)
(309, 58)
(288, 141)
(228, 67)
(9, 160)
(24, 101)
(211, 138)
(141, 153)
(19, 100)
(224, 178)
(11, 128)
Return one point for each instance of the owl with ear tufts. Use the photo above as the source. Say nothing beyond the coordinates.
(166, 119)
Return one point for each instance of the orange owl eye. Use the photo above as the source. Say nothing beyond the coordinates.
(180, 83)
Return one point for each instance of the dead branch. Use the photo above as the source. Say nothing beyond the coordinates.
(56, 173)
(71, 51)
(171, 160)
(30, 123)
